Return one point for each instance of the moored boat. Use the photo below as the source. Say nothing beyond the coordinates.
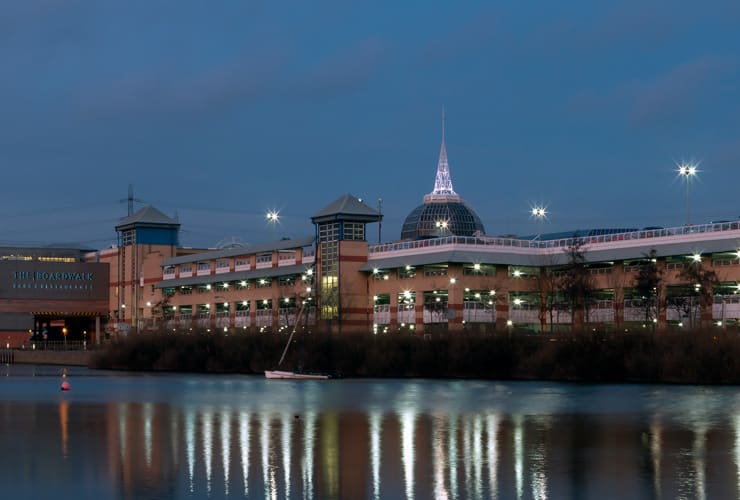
(284, 374)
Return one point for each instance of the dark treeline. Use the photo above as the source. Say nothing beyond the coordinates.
(711, 357)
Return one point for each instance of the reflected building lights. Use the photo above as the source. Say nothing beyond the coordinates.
(439, 457)
(286, 431)
(268, 475)
(467, 432)
(736, 425)
(226, 445)
(519, 454)
(492, 426)
(452, 453)
(656, 451)
(478, 456)
(64, 425)
(207, 435)
(244, 436)
(175, 438)
(408, 427)
(699, 460)
(376, 427)
(309, 441)
(538, 464)
(330, 459)
(122, 415)
(190, 444)
(148, 415)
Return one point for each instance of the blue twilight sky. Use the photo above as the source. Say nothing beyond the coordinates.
(220, 111)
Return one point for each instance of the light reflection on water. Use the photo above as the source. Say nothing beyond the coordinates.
(219, 437)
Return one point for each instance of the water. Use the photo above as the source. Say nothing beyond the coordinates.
(120, 435)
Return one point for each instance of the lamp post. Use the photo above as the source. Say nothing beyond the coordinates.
(273, 219)
(539, 213)
(687, 171)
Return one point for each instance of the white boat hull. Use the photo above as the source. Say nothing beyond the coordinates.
(280, 374)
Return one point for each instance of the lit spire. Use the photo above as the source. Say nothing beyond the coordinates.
(443, 190)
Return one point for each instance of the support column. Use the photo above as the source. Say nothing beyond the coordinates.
(502, 312)
(419, 310)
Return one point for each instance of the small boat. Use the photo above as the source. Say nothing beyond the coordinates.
(282, 374)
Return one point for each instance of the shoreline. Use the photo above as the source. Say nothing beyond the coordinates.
(701, 357)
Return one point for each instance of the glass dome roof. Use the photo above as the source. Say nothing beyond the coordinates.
(435, 220)
(444, 212)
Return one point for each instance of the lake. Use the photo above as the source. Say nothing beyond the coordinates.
(161, 436)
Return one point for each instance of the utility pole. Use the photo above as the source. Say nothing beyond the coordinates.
(380, 218)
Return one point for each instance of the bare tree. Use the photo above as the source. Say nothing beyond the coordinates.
(701, 284)
(547, 285)
(576, 282)
(648, 284)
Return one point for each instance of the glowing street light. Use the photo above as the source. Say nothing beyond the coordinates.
(273, 216)
(687, 171)
(539, 214)
(273, 219)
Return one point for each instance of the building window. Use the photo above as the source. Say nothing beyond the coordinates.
(407, 272)
(186, 268)
(186, 290)
(286, 281)
(204, 288)
(479, 270)
(242, 285)
(128, 237)
(168, 292)
(329, 232)
(439, 270)
(264, 258)
(354, 231)
(264, 283)
(204, 266)
(222, 265)
(523, 272)
(381, 275)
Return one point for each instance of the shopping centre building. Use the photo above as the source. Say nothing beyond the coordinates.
(443, 274)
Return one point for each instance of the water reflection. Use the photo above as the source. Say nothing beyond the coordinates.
(357, 440)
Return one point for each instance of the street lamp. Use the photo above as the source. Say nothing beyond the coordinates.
(273, 219)
(539, 213)
(687, 171)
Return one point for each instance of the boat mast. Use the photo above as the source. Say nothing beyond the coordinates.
(290, 338)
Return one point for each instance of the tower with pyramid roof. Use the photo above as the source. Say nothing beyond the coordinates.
(341, 249)
(145, 238)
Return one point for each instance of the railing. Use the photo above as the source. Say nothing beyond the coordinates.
(488, 241)
(56, 345)
(382, 314)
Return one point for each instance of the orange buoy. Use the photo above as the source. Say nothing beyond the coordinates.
(65, 386)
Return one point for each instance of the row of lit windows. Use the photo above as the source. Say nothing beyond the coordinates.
(238, 262)
(27, 258)
(225, 307)
(409, 272)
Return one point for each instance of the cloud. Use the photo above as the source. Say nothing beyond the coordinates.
(344, 71)
(675, 95)
(680, 91)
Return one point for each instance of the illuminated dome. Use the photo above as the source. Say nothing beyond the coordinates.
(444, 212)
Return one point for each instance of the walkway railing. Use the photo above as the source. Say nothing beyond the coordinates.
(56, 345)
(489, 241)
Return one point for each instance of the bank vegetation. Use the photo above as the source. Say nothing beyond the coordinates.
(702, 356)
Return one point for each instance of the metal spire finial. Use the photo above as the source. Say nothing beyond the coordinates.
(443, 124)
(443, 190)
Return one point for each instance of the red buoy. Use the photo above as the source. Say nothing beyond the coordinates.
(65, 386)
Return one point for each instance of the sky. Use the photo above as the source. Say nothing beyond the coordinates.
(218, 112)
